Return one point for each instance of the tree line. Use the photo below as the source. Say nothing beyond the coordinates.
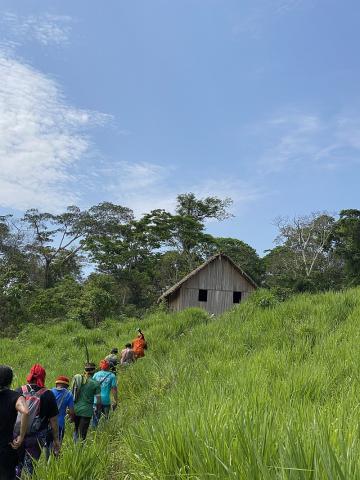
(88, 264)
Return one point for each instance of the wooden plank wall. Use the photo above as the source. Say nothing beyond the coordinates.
(220, 279)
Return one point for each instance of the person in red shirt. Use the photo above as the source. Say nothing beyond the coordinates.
(139, 345)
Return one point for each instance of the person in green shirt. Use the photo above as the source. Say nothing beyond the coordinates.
(84, 389)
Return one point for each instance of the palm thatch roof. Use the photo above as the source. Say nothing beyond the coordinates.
(177, 285)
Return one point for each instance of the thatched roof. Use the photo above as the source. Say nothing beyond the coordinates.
(201, 267)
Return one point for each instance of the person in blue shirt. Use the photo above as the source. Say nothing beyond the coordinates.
(108, 384)
(65, 404)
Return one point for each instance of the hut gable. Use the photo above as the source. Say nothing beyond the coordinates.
(216, 286)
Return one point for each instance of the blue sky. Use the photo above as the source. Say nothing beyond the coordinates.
(137, 101)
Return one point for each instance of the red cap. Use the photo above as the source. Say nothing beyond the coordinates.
(62, 379)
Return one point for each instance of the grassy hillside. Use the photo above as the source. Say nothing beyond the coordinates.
(263, 392)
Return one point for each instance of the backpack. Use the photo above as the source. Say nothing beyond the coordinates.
(32, 399)
(77, 383)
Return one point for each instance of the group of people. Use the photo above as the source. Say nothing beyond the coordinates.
(32, 417)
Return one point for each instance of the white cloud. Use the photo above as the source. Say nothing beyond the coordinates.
(46, 28)
(41, 138)
(146, 186)
(141, 186)
(307, 140)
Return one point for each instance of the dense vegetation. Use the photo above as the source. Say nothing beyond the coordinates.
(267, 391)
(86, 265)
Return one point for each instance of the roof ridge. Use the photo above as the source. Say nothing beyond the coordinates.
(177, 285)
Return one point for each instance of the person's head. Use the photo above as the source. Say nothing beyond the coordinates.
(6, 377)
(62, 382)
(37, 375)
(115, 351)
(128, 345)
(90, 368)
(104, 365)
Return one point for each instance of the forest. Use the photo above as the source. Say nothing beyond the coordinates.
(86, 265)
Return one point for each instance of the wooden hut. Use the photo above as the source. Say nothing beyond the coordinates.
(216, 286)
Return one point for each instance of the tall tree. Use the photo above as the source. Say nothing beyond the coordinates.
(202, 209)
(302, 260)
(346, 243)
(15, 272)
(306, 236)
(54, 239)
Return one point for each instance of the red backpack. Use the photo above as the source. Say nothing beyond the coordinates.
(32, 399)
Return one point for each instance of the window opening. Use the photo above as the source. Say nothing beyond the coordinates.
(203, 295)
(236, 297)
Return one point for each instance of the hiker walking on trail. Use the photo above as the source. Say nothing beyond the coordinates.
(11, 404)
(127, 355)
(65, 403)
(139, 345)
(113, 359)
(84, 389)
(108, 385)
(43, 412)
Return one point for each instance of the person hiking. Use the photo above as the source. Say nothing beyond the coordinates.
(108, 385)
(43, 412)
(113, 359)
(84, 388)
(11, 404)
(65, 403)
(127, 355)
(139, 345)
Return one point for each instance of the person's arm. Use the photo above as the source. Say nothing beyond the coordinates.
(71, 413)
(22, 408)
(55, 431)
(70, 408)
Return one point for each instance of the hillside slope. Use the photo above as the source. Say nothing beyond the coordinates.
(263, 392)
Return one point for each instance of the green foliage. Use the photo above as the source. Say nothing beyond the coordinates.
(259, 393)
(42, 258)
(264, 298)
(346, 242)
(201, 209)
(303, 259)
(98, 299)
(56, 302)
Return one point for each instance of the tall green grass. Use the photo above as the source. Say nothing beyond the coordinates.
(259, 393)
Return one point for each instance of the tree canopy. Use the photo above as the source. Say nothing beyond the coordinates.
(87, 264)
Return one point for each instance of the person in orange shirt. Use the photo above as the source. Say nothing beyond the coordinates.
(139, 345)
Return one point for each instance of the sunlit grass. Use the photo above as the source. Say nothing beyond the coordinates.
(259, 393)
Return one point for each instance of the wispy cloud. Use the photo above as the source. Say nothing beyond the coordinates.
(142, 186)
(146, 186)
(46, 29)
(41, 138)
(254, 20)
(308, 140)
